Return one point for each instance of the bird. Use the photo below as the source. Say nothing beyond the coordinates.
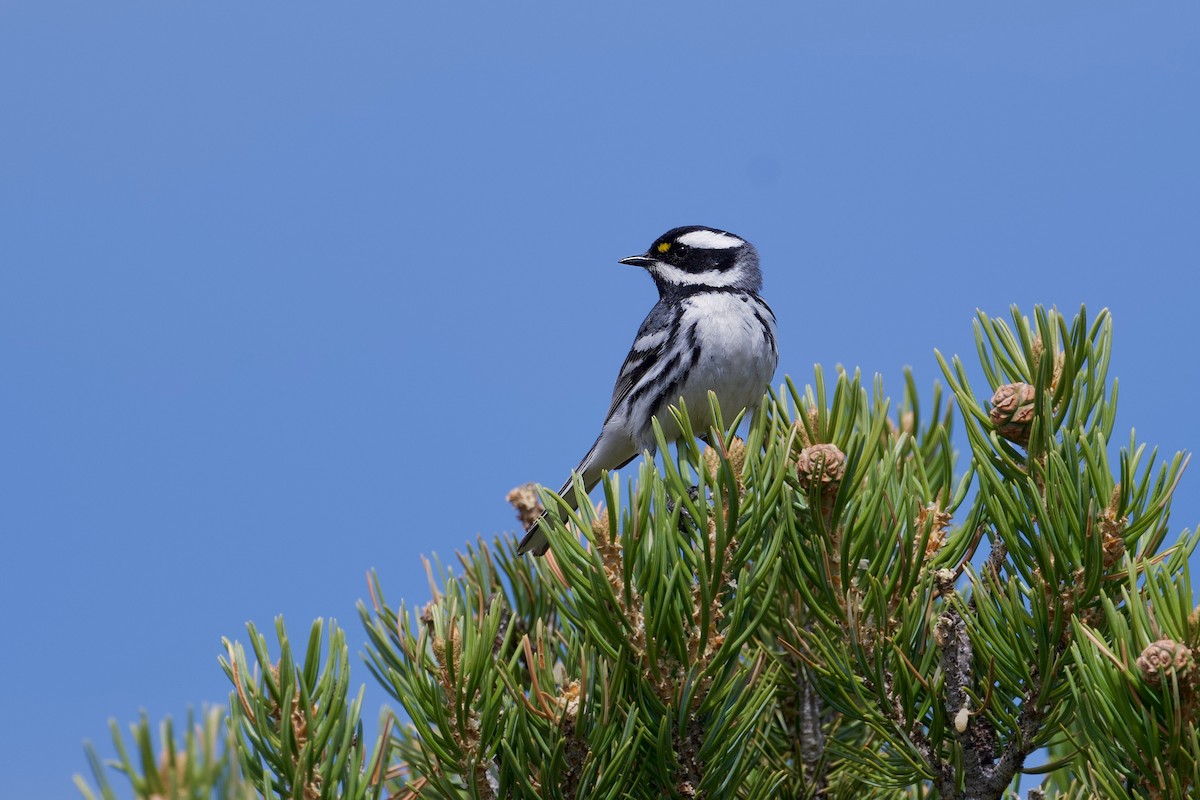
(709, 330)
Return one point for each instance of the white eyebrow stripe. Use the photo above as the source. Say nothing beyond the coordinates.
(712, 277)
(710, 240)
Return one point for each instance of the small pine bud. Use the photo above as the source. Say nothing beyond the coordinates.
(568, 700)
(609, 550)
(823, 464)
(1012, 412)
(941, 631)
(735, 455)
(1059, 359)
(813, 418)
(525, 500)
(938, 522)
(1167, 657)
(1112, 530)
(961, 718)
(600, 526)
(173, 769)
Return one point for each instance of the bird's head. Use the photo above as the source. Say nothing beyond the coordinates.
(695, 257)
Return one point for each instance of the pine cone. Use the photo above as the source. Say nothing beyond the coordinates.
(1167, 657)
(1012, 412)
(823, 463)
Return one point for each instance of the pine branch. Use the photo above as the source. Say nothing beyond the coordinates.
(200, 768)
(801, 614)
(299, 731)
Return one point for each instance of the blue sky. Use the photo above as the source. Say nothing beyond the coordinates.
(289, 292)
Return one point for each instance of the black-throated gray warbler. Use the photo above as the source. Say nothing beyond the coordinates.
(708, 330)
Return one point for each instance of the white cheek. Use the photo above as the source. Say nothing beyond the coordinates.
(712, 277)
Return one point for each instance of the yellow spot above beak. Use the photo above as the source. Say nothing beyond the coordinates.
(664, 247)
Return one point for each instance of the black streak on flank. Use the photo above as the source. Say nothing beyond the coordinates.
(669, 394)
(768, 337)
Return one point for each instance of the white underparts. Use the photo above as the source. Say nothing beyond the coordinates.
(649, 340)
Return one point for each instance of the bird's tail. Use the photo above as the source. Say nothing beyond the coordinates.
(611, 451)
(535, 540)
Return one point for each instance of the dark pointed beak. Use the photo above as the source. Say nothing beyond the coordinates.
(637, 261)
